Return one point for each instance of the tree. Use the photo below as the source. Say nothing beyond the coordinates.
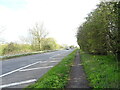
(49, 44)
(100, 33)
(116, 26)
(38, 33)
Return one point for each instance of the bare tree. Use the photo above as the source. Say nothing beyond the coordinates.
(38, 33)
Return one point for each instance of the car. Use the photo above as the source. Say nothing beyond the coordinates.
(67, 48)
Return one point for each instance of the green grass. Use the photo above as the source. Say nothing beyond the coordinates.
(57, 77)
(102, 71)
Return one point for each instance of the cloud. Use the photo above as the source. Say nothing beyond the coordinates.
(60, 17)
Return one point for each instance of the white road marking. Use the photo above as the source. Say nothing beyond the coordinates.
(21, 68)
(18, 83)
(57, 55)
(54, 61)
(24, 67)
(27, 66)
(54, 56)
(49, 61)
(35, 68)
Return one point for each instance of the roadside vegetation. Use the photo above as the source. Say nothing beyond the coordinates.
(56, 77)
(14, 48)
(102, 70)
(36, 41)
(100, 33)
(1, 49)
(99, 38)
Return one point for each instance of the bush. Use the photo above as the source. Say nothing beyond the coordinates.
(13, 48)
(9, 48)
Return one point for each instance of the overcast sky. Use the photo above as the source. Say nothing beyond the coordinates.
(61, 18)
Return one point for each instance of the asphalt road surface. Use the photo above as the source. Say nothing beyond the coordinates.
(23, 71)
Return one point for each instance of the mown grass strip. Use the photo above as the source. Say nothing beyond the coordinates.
(102, 71)
(56, 77)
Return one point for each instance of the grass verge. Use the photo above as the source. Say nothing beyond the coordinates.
(102, 71)
(24, 54)
(56, 77)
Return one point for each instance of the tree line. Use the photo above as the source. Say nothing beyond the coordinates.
(100, 33)
(36, 40)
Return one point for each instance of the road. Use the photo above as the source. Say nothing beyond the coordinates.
(22, 71)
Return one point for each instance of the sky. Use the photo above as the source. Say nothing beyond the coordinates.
(60, 18)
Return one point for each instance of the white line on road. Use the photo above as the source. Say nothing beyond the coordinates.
(58, 55)
(24, 67)
(20, 68)
(27, 66)
(35, 68)
(54, 61)
(54, 56)
(18, 83)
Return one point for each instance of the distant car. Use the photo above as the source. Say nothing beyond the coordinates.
(67, 48)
